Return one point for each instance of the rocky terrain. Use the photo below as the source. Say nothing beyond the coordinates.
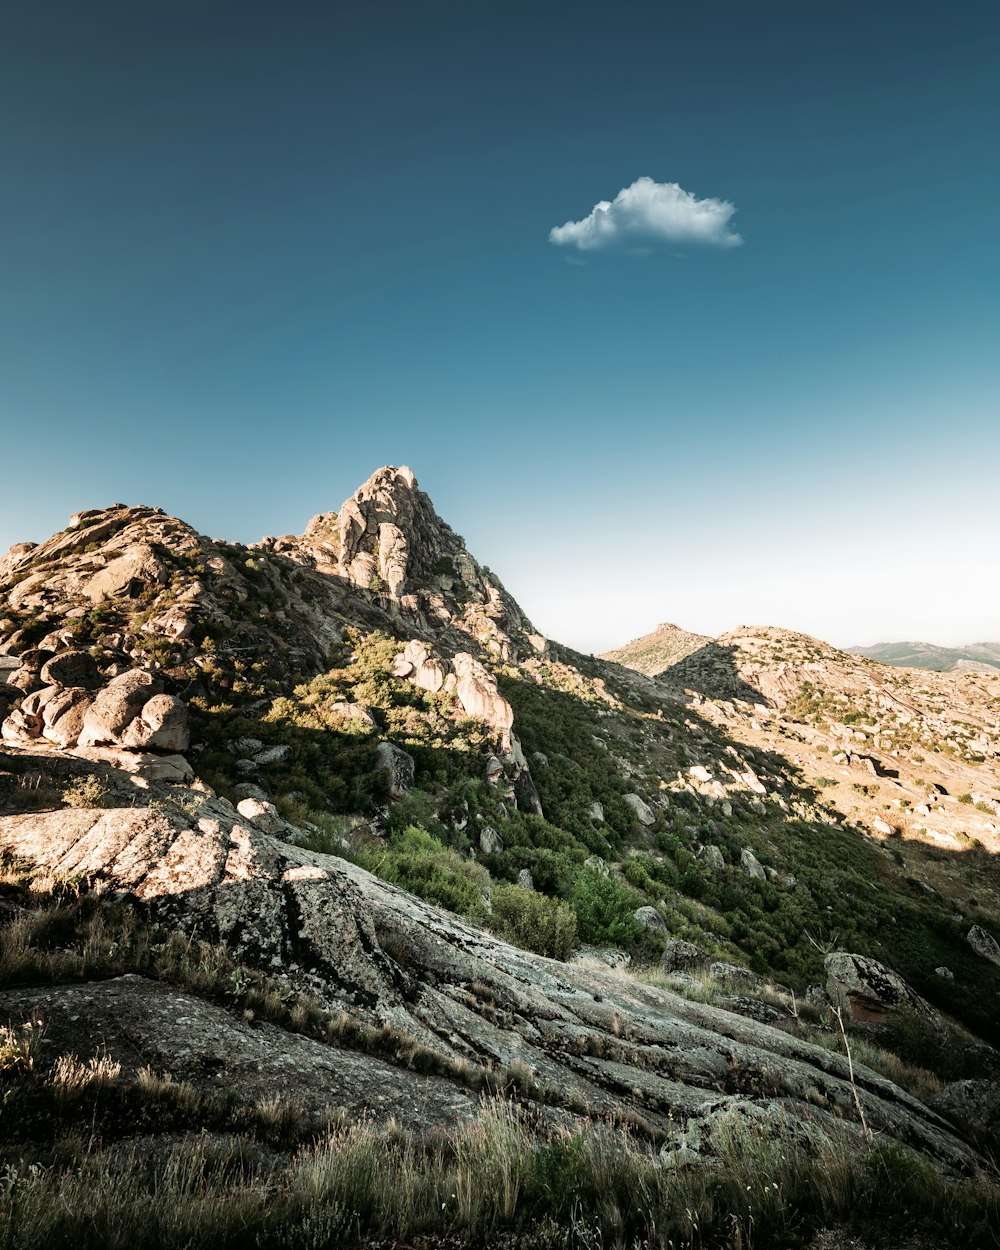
(325, 816)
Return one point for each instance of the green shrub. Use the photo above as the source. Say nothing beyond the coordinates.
(604, 907)
(531, 920)
(417, 862)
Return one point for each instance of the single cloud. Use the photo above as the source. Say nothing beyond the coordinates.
(650, 212)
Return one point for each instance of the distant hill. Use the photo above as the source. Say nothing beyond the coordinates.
(976, 657)
(653, 653)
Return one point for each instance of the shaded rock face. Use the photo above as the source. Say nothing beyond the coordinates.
(365, 946)
(142, 1023)
(984, 944)
(643, 812)
(973, 1106)
(397, 766)
(869, 991)
(680, 956)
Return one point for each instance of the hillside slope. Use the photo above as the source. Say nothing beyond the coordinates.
(345, 767)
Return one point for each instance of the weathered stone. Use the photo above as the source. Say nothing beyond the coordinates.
(264, 815)
(247, 790)
(478, 694)
(72, 668)
(650, 919)
(972, 1105)
(63, 716)
(525, 879)
(680, 956)
(387, 956)
(984, 944)
(751, 865)
(868, 991)
(490, 842)
(527, 795)
(723, 971)
(136, 566)
(596, 811)
(643, 812)
(712, 857)
(397, 766)
(116, 706)
(276, 753)
(162, 725)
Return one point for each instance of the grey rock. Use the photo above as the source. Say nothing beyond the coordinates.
(712, 856)
(984, 944)
(264, 815)
(490, 842)
(751, 865)
(650, 919)
(273, 754)
(116, 706)
(972, 1105)
(247, 790)
(596, 864)
(525, 879)
(385, 956)
(397, 766)
(869, 991)
(643, 812)
(681, 956)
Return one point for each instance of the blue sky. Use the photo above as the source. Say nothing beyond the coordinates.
(250, 252)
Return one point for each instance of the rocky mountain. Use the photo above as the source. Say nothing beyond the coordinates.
(977, 657)
(325, 814)
(653, 653)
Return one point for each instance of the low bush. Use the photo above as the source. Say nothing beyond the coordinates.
(529, 919)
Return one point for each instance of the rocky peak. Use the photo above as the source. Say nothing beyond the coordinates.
(390, 535)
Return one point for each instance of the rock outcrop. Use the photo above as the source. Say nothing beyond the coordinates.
(868, 991)
(361, 945)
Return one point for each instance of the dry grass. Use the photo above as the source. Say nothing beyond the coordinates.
(492, 1181)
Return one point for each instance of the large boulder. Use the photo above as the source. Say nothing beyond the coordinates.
(72, 668)
(869, 992)
(650, 919)
(264, 815)
(362, 946)
(161, 726)
(640, 808)
(64, 714)
(477, 692)
(116, 706)
(972, 1105)
(397, 767)
(751, 865)
(133, 712)
(984, 944)
(681, 956)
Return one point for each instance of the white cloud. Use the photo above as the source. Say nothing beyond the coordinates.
(650, 212)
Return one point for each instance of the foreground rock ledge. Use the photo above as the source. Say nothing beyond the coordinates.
(365, 946)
